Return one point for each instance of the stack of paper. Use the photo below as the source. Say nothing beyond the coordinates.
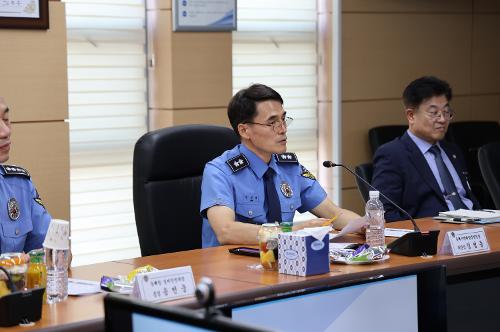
(476, 216)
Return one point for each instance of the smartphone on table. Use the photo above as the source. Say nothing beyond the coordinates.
(245, 251)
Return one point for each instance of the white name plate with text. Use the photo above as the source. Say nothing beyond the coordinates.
(465, 241)
(164, 285)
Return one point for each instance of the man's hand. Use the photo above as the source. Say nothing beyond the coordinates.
(364, 224)
(357, 225)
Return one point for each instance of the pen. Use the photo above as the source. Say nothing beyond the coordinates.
(330, 221)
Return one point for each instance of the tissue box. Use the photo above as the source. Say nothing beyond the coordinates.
(302, 254)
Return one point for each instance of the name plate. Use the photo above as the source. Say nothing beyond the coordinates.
(465, 241)
(164, 285)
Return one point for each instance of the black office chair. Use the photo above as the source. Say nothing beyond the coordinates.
(383, 134)
(489, 162)
(470, 136)
(168, 166)
(366, 172)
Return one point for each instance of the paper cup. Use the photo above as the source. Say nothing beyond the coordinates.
(57, 235)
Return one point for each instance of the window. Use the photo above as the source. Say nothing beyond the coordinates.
(276, 45)
(107, 114)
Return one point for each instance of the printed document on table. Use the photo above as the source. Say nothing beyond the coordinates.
(472, 214)
(83, 287)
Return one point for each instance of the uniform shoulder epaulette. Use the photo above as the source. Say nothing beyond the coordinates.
(305, 173)
(238, 163)
(15, 170)
(287, 157)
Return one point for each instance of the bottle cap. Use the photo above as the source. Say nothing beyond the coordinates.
(374, 194)
(36, 256)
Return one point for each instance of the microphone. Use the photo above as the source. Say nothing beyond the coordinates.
(331, 164)
(415, 243)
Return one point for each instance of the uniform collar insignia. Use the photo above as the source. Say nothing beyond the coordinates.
(14, 170)
(238, 163)
(13, 209)
(307, 174)
(287, 157)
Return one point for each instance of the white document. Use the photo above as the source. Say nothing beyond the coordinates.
(396, 232)
(339, 245)
(83, 287)
(472, 214)
(390, 232)
(353, 226)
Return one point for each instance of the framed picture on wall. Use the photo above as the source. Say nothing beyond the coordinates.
(24, 14)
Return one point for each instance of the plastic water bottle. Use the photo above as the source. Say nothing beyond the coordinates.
(56, 262)
(376, 222)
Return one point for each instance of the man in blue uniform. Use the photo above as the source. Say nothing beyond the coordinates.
(258, 181)
(23, 218)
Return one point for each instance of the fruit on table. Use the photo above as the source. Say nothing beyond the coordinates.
(267, 259)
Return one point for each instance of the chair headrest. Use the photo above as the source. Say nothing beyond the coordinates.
(180, 151)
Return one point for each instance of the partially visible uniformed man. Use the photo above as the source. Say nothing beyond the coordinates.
(23, 217)
(258, 181)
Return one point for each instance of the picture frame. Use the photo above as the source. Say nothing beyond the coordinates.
(209, 16)
(24, 14)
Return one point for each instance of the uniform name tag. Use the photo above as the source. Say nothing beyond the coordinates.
(465, 241)
(164, 285)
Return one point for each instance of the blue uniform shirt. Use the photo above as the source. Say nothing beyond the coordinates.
(235, 179)
(23, 218)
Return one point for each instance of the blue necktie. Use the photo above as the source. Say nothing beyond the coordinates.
(450, 190)
(272, 199)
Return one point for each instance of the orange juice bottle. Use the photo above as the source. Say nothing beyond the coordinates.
(37, 273)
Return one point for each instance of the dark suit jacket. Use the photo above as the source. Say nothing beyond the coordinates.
(401, 172)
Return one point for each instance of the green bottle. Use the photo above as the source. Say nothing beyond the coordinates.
(286, 226)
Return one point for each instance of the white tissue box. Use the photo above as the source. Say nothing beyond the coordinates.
(301, 254)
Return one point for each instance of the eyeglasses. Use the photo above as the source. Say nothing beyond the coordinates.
(276, 125)
(446, 112)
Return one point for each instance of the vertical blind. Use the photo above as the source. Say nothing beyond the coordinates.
(276, 45)
(107, 114)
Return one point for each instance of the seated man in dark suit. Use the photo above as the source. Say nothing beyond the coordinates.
(419, 171)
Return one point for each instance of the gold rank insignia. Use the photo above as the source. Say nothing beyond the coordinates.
(286, 190)
(13, 209)
(307, 174)
(39, 201)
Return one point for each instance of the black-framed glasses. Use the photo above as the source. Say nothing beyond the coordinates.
(276, 125)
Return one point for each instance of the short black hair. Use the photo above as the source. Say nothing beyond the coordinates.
(424, 88)
(242, 107)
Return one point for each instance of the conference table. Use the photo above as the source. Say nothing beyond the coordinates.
(237, 278)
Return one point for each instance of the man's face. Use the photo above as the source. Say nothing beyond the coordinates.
(4, 132)
(430, 119)
(267, 132)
